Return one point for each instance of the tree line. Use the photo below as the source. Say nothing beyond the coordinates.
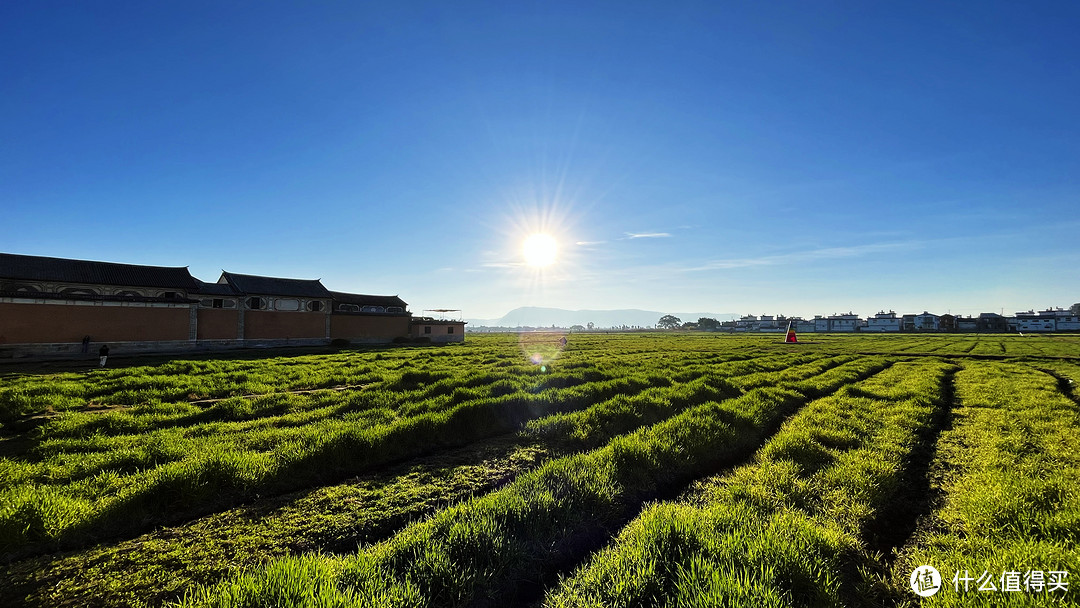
(673, 322)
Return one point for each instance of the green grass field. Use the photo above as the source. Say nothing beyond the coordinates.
(621, 470)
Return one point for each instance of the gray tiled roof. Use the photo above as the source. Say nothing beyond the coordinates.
(274, 286)
(366, 300)
(216, 289)
(37, 268)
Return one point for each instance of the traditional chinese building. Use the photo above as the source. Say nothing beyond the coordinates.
(54, 304)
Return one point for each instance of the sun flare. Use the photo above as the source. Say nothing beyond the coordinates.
(539, 249)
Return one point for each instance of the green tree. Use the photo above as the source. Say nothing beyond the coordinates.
(706, 323)
(669, 322)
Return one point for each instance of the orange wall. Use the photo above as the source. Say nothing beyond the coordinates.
(38, 323)
(368, 327)
(217, 324)
(264, 325)
(438, 331)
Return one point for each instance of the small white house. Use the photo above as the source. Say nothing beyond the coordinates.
(1066, 320)
(1033, 321)
(883, 322)
(768, 323)
(927, 322)
(847, 322)
(746, 323)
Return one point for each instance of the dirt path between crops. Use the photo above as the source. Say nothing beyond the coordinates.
(344, 387)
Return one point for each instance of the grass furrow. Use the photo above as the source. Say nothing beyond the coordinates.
(787, 530)
(498, 549)
(334, 518)
(593, 427)
(70, 499)
(489, 549)
(1007, 473)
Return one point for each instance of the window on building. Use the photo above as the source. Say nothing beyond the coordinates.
(427, 329)
(450, 330)
(255, 303)
(286, 304)
(219, 303)
(314, 306)
(20, 288)
(75, 291)
(395, 309)
(171, 295)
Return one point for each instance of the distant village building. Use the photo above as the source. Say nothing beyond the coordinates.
(947, 322)
(1066, 320)
(907, 323)
(846, 322)
(967, 324)
(883, 322)
(927, 322)
(992, 322)
(1042, 321)
(821, 324)
(768, 323)
(52, 304)
(747, 323)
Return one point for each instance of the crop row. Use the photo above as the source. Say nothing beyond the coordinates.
(143, 399)
(189, 380)
(788, 529)
(498, 548)
(694, 392)
(335, 518)
(595, 426)
(71, 488)
(120, 483)
(1011, 501)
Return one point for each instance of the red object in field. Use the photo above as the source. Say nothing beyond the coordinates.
(790, 334)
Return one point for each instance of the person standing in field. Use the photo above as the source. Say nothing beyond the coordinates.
(103, 354)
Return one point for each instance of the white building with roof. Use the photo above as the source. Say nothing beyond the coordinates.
(883, 322)
(927, 321)
(746, 323)
(1051, 319)
(846, 322)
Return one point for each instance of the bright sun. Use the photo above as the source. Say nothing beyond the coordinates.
(539, 249)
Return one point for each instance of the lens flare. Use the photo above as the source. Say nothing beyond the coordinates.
(542, 347)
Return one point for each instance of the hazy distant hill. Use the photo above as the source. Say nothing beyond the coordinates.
(533, 316)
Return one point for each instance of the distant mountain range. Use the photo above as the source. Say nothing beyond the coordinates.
(533, 316)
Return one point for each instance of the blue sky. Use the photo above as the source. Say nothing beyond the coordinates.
(799, 158)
